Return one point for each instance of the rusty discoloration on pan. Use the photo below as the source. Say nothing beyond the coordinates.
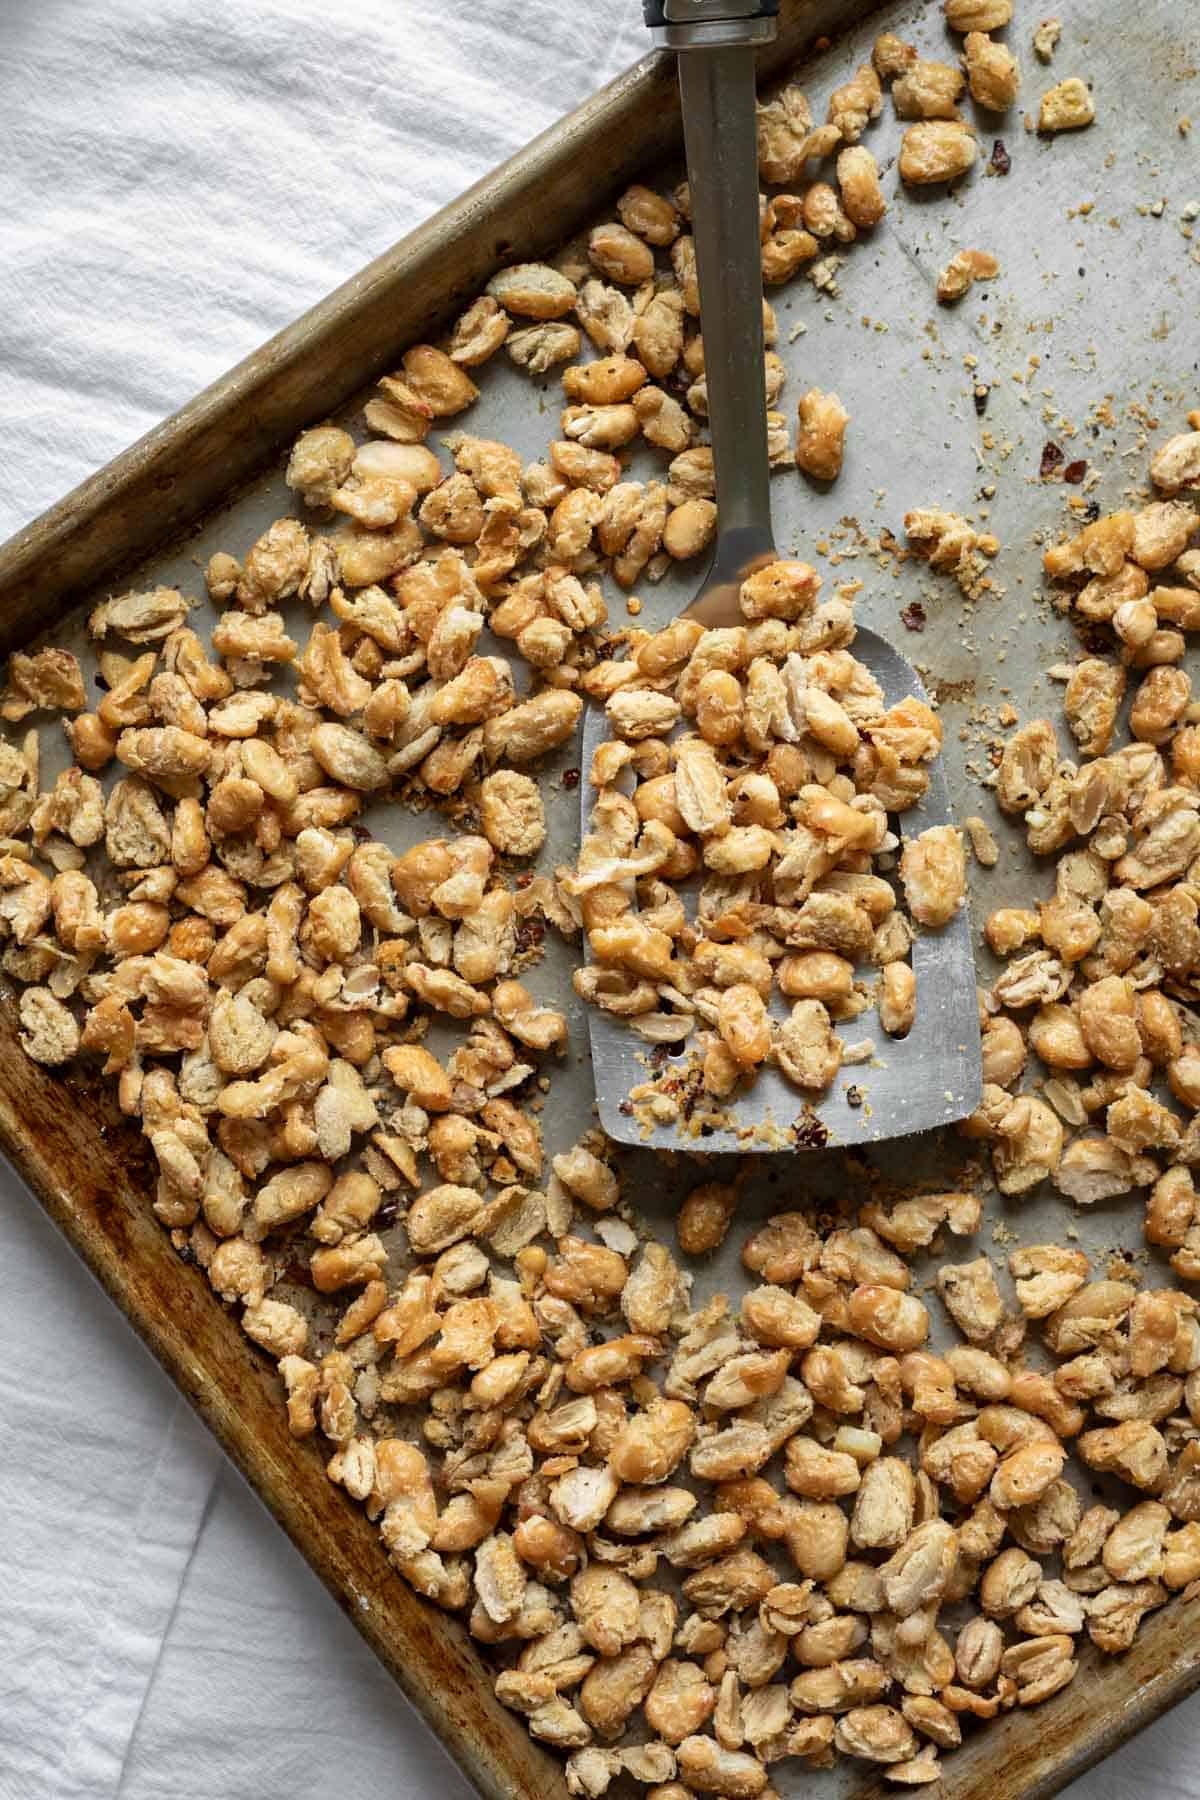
(90, 1168)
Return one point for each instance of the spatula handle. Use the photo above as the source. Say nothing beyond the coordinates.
(720, 136)
(707, 20)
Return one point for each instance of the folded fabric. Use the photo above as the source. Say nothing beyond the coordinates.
(105, 1474)
(180, 181)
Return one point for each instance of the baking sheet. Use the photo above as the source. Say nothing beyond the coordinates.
(1092, 306)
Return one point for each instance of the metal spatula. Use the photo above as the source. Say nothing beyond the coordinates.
(933, 1076)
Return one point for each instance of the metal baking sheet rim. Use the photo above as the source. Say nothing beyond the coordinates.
(88, 1173)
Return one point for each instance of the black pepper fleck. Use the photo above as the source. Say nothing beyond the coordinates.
(809, 1132)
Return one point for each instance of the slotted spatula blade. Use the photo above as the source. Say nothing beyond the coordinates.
(931, 1078)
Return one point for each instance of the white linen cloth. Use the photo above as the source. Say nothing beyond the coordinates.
(177, 182)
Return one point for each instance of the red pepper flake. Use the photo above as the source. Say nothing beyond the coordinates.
(1075, 472)
(1001, 160)
(913, 615)
(570, 778)
(1051, 457)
